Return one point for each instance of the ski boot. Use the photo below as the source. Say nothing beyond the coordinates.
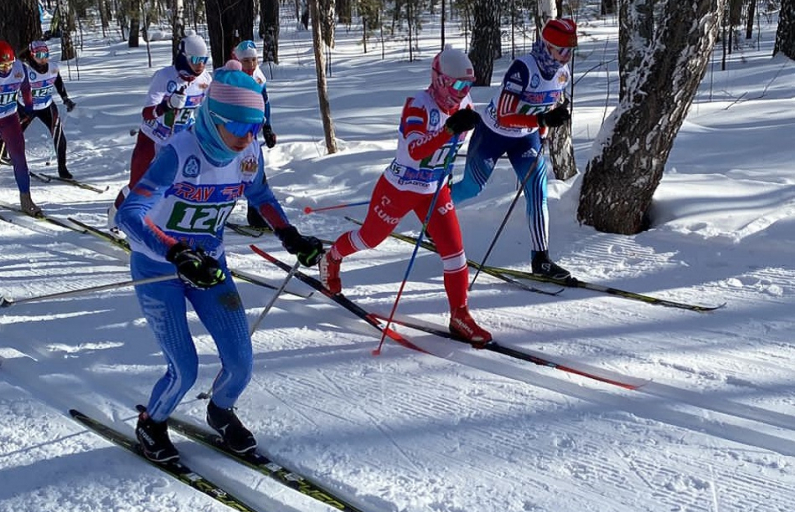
(330, 273)
(155, 443)
(224, 421)
(543, 266)
(463, 326)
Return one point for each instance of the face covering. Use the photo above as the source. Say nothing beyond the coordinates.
(546, 62)
(212, 145)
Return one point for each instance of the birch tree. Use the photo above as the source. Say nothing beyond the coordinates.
(660, 79)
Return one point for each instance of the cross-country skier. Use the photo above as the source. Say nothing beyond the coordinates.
(175, 93)
(13, 81)
(529, 101)
(246, 53)
(174, 219)
(44, 76)
(432, 129)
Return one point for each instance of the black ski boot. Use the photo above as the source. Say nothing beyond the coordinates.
(224, 421)
(155, 443)
(255, 220)
(543, 266)
(65, 174)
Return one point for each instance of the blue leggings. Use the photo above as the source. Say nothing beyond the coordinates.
(485, 148)
(221, 312)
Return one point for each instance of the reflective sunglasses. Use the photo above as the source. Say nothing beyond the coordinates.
(563, 51)
(237, 128)
(196, 59)
(458, 85)
(42, 54)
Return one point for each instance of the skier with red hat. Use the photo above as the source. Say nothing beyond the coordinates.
(13, 81)
(530, 100)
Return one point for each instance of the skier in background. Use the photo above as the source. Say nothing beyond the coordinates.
(246, 53)
(432, 129)
(530, 100)
(175, 92)
(13, 81)
(44, 76)
(174, 218)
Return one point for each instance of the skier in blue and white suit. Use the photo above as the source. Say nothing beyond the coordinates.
(529, 101)
(174, 217)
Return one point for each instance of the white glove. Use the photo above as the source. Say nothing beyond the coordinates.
(178, 99)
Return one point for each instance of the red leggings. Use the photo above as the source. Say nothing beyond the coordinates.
(142, 156)
(387, 206)
(11, 134)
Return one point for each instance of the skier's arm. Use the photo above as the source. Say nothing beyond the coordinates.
(260, 196)
(60, 87)
(27, 92)
(414, 128)
(132, 215)
(516, 82)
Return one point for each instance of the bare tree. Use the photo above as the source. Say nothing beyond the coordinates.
(320, 70)
(485, 39)
(634, 143)
(269, 29)
(224, 18)
(785, 33)
(561, 147)
(19, 23)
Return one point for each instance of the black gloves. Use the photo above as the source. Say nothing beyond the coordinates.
(70, 105)
(269, 136)
(307, 249)
(463, 120)
(195, 267)
(555, 117)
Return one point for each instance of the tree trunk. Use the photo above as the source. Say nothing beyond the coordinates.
(785, 33)
(485, 32)
(177, 26)
(19, 23)
(135, 24)
(269, 30)
(749, 21)
(320, 70)
(223, 19)
(634, 143)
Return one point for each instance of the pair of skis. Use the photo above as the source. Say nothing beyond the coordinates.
(511, 275)
(254, 460)
(378, 321)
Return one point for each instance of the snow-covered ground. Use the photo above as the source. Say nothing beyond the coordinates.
(712, 430)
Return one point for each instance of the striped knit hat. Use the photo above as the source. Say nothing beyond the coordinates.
(235, 96)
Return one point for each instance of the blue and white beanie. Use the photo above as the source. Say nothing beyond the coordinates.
(235, 96)
(232, 96)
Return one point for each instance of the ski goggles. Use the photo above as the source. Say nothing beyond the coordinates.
(41, 54)
(563, 51)
(237, 128)
(454, 83)
(197, 59)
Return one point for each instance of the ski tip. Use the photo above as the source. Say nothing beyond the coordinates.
(4, 303)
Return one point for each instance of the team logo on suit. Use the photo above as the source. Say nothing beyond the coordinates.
(191, 167)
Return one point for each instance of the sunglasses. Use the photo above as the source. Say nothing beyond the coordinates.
(195, 59)
(563, 51)
(237, 128)
(42, 54)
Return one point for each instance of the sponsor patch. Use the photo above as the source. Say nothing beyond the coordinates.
(192, 167)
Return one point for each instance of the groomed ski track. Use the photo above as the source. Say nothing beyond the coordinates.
(357, 388)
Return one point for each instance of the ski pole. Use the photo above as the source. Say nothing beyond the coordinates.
(279, 291)
(4, 302)
(309, 209)
(425, 223)
(508, 213)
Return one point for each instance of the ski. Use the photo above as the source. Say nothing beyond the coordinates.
(41, 217)
(340, 299)
(523, 354)
(176, 469)
(503, 273)
(47, 178)
(430, 247)
(246, 230)
(264, 465)
(124, 244)
(576, 283)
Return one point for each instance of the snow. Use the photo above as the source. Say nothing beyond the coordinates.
(713, 428)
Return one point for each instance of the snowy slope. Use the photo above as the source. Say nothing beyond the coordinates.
(454, 430)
